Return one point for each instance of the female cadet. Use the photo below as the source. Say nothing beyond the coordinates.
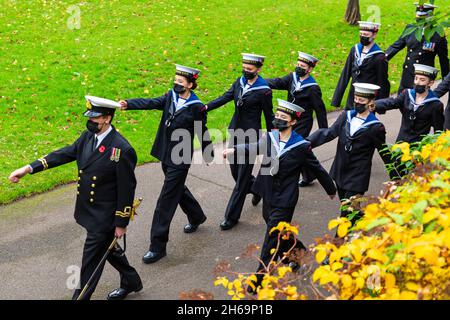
(303, 91)
(421, 109)
(252, 97)
(366, 63)
(360, 133)
(181, 110)
(285, 154)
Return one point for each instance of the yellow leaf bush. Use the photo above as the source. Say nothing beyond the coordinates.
(399, 249)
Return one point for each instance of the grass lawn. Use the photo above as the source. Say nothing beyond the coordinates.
(127, 49)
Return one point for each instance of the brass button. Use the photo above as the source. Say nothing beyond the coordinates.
(92, 193)
(93, 185)
(406, 67)
(410, 50)
(420, 53)
(417, 61)
(79, 178)
(92, 200)
(94, 178)
(78, 185)
(81, 171)
(78, 192)
(409, 58)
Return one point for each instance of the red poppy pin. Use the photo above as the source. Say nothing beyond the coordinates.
(195, 76)
(101, 149)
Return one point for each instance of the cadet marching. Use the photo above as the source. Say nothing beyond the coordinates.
(105, 202)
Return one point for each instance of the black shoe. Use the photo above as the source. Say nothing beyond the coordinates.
(151, 257)
(256, 199)
(190, 228)
(121, 293)
(227, 224)
(254, 290)
(303, 183)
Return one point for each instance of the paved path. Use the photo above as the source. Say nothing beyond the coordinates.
(39, 238)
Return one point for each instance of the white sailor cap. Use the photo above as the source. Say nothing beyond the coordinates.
(289, 108)
(99, 106)
(366, 90)
(255, 59)
(369, 26)
(187, 72)
(425, 10)
(425, 6)
(425, 70)
(309, 59)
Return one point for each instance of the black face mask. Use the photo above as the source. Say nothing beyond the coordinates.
(365, 41)
(360, 107)
(421, 18)
(178, 88)
(92, 126)
(280, 124)
(249, 75)
(420, 88)
(300, 71)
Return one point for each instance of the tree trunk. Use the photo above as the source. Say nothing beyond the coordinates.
(353, 15)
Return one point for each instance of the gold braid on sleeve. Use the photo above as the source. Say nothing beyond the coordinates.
(44, 163)
(130, 212)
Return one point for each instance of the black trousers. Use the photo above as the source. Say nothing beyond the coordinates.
(347, 194)
(273, 216)
(173, 193)
(94, 248)
(242, 175)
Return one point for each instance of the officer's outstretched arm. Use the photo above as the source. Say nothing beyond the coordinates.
(54, 159)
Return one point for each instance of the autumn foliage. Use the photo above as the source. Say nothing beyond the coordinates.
(399, 249)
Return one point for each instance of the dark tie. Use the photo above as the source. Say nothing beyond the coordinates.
(94, 145)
